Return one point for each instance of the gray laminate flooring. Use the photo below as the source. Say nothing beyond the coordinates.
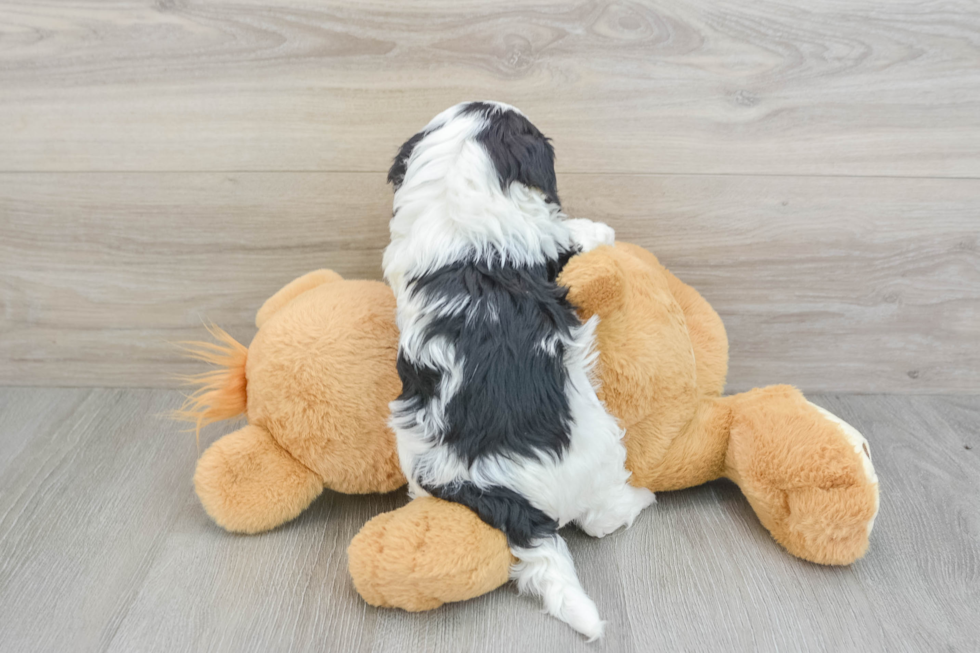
(104, 547)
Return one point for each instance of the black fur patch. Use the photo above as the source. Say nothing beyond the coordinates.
(396, 174)
(482, 108)
(518, 150)
(501, 508)
(419, 382)
(511, 400)
(555, 267)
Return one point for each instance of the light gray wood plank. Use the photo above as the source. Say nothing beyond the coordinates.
(100, 274)
(724, 586)
(83, 507)
(832, 284)
(286, 590)
(25, 412)
(694, 86)
(103, 547)
(930, 476)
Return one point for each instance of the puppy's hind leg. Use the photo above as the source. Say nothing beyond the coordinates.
(620, 507)
(612, 501)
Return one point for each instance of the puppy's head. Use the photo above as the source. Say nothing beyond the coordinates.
(513, 149)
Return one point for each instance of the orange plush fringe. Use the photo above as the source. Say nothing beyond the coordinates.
(219, 394)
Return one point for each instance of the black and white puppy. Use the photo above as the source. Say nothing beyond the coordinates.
(498, 409)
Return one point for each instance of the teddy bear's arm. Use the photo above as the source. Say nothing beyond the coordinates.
(248, 483)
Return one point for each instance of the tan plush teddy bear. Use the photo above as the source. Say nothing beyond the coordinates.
(316, 381)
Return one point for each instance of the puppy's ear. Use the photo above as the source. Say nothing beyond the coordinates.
(596, 283)
(520, 153)
(396, 175)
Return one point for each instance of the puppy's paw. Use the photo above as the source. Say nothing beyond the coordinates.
(588, 235)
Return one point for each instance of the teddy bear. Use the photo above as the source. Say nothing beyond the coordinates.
(316, 381)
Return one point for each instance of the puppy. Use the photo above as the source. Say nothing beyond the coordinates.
(498, 410)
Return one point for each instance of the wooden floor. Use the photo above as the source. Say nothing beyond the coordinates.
(104, 547)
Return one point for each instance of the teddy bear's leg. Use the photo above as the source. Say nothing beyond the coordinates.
(427, 553)
(247, 483)
(807, 474)
(291, 291)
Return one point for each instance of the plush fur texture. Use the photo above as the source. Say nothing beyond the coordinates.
(663, 363)
(416, 544)
(498, 410)
(818, 500)
(315, 385)
(220, 393)
(249, 483)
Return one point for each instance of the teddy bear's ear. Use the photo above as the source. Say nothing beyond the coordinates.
(292, 290)
(596, 282)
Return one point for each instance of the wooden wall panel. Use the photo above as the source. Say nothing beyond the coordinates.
(696, 86)
(813, 170)
(855, 285)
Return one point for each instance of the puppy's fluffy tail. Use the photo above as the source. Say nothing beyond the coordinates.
(221, 393)
(546, 570)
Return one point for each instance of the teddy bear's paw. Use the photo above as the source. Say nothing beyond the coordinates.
(829, 519)
(806, 472)
(588, 235)
(861, 449)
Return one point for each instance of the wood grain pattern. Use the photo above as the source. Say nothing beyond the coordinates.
(694, 86)
(103, 547)
(831, 284)
(102, 273)
(83, 510)
(812, 170)
(853, 285)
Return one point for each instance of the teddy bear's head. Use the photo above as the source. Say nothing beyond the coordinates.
(320, 374)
